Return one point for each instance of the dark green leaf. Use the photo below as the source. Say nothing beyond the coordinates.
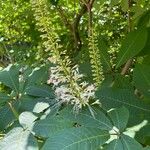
(77, 139)
(84, 118)
(51, 125)
(141, 77)
(39, 91)
(122, 82)
(10, 77)
(105, 59)
(6, 116)
(112, 98)
(146, 49)
(38, 75)
(4, 98)
(144, 134)
(120, 117)
(124, 143)
(146, 148)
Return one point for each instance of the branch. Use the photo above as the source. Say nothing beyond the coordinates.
(129, 62)
(74, 26)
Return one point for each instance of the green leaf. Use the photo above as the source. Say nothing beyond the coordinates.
(84, 118)
(120, 117)
(124, 5)
(112, 98)
(10, 77)
(131, 46)
(18, 139)
(121, 82)
(144, 134)
(114, 2)
(146, 148)
(54, 2)
(4, 98)
(6, 116)
(105, 59)
(39, 91)
(28, 103)
(145, 19)
(146, 49)
(123, 143)
(141, 77)
(51, 125)
(77, 139)
(38, 75)
(85, 68)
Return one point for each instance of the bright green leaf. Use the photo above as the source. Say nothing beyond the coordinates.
(18, 139)
(124, 5)
(26, 119)
(114, 2)
(131, 46)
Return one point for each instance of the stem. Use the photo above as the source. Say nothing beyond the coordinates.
(89, 6)
(129, 62)
(129, 16)
(13, 110)
(126, 67)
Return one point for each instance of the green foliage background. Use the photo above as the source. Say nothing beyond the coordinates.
(75, 74)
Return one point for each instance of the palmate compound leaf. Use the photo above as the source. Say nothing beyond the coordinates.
(120, 117)
(112, 98)
(132, 45)
(80, 138)
(124, 142)
(10, 77)
(18, 139)
(67, 119)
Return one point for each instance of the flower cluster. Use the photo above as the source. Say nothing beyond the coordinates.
(95, 58)
(71, 89)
